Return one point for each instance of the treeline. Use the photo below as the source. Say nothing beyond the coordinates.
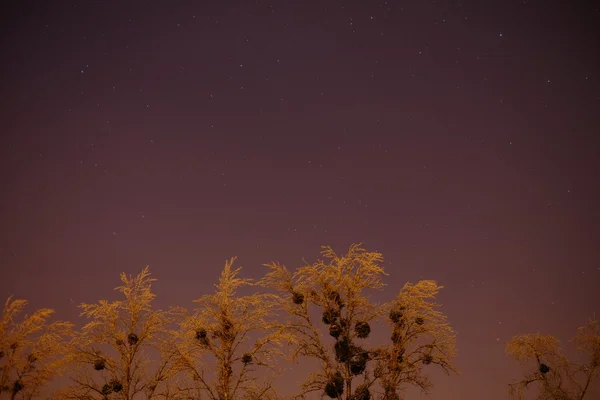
(233, 346)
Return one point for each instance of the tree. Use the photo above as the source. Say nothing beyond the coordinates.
(333, 289)
(551, 374)
(230, 338)
(111, 355)
(31, 351)
(420, 337)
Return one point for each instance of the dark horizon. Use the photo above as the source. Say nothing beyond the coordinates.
(459, 140)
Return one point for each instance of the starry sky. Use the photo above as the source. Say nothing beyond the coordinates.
(458, 139)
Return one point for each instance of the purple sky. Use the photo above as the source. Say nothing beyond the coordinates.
(458, 139)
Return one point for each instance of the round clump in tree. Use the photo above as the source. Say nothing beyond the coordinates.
(132, 339)
(358, 365)
(343, 350)
(247, 358)
(335, 330)
(330, 390)
(335, 387)
(400, 358)
(362, 329)
(396, 337)
(201, 334)
(544, 369)
(419, 320)
(18, 386)
(330, 316)
(427, 359)
(99, 364)
(116, 386)
(106, 389)
(396, 314)
(297, 298)
(358, 362)
(227, 324)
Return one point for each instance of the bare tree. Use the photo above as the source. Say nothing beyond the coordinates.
(112, 354)
(333, 290)
(31, 351)
(551, 375)
(230, 338)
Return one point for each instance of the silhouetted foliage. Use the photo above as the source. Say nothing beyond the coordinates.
(132, 339)
(335, 330)
(298, 298)
(330, 316)
(358, 361)
(396, 314)
(335, 387)
(201, 333)
(99, 364)
(106, 389)
(362, 329)
(116, 386)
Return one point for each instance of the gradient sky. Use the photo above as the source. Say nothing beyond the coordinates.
(458, 139)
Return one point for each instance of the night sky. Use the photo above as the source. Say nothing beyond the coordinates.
(458, 139)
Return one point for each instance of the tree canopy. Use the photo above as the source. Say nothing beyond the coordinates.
(549, 373)
(236, 341)
(32, 349)
(330, 317)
